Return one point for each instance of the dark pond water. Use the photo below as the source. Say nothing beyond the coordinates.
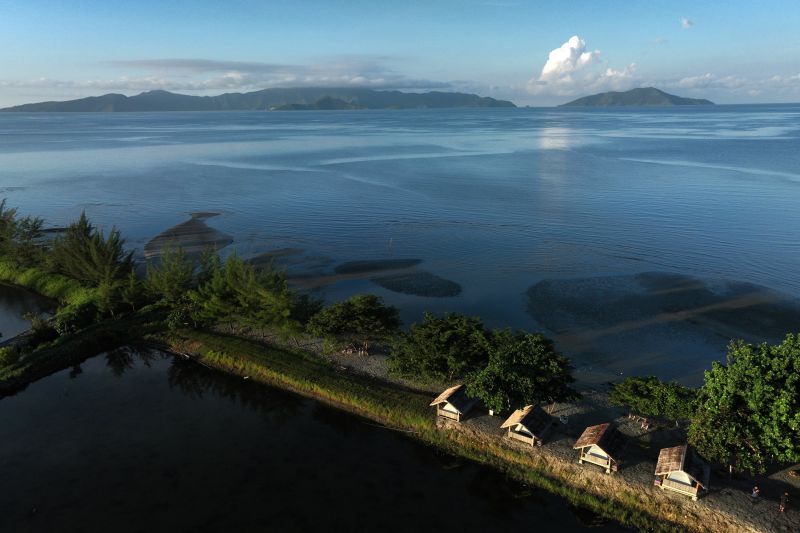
(145, 442)
(15, 302)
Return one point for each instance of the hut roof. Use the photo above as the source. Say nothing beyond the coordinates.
(682, 459)
(532, 417)
(457, 397)
(606, 436)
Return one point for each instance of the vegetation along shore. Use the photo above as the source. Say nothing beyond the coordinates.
(247, 320)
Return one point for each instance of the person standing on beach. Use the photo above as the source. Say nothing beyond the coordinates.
(755, 494)
(784, 501)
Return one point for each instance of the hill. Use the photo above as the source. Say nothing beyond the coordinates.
(267, 99)
(645, 96)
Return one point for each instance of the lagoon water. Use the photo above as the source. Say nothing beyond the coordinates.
(537, 214)
(133, 442)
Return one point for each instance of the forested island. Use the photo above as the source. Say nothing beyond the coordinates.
(277, 99)
(246, 319)
(645, 96)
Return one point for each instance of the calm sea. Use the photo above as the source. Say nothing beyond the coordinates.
(536, 213)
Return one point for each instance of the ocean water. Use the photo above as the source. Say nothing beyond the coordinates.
(499, 201)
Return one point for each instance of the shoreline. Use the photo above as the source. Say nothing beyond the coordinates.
(402, 408)
(613, 497)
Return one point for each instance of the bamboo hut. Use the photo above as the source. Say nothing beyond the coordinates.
(529, 425)
(680, 470)
(601, 445)
(453, 403)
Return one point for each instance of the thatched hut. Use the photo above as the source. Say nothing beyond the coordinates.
(679, 469)
(453, 403)
(601, 445)
(530, 425)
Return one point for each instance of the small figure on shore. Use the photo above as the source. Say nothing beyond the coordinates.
(784, 501)
(756, 493)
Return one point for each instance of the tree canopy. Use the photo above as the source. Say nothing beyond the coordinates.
(357, 321)
(749, 409)
(440, 348)
(523, 368)
(19, 236)
(237, 293)
(650, 396)
(171, 277)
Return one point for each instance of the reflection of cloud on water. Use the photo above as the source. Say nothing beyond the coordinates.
(556, 138)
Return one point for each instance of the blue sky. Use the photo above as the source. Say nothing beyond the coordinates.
(532, 52)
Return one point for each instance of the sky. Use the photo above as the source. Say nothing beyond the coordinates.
(535, 53)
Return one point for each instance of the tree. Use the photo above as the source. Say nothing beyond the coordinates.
(237, 293)
(440, 348)
(749, 410)
(356, 322)
(169, 280)
(19, 237)
(523, 368)
(85, 254)
(650, 396)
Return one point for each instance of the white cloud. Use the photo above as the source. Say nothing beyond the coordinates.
(566, 59)
(205, 75)
(571, 69)
(711, 81)
(686, 23)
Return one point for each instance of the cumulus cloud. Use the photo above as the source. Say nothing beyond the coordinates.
(566, 59)
(572, 68)
(686, 23)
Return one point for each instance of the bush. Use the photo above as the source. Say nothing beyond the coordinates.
(41, 329)
(9, 355)
(75, 317)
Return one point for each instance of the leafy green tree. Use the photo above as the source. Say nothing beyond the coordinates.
(356, 322)
(650, 396)
(440, 348)
(749, 410)
(170, 278)
(523, 368)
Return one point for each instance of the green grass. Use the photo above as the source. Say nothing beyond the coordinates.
(405, 410)
(66, 290)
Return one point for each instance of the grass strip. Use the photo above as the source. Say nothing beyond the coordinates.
(408, 411)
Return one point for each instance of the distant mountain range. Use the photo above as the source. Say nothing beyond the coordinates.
(268, 99)
(645, 96)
